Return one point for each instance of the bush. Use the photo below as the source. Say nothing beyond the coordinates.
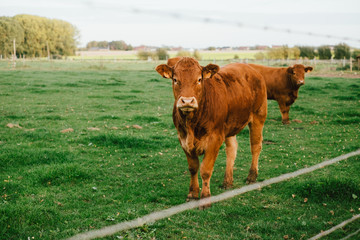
(196, 55)
(162, 54)
(347, 67)
(144, 55)
(259, 56)
(183, 54)
(342, 50)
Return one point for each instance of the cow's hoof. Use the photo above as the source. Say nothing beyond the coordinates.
(248, 181)
(226, 185)
(192, 197)
(285, 122)
(251, 178)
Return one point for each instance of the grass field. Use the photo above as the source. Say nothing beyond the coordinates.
(56, 184)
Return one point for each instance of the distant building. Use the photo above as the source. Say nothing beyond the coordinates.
(259, 47)
(226, 48)
(145, 48)
(243, 48)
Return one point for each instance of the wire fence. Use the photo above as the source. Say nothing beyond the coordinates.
(152, 217)
(327, 232)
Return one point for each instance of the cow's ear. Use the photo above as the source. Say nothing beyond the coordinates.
(290, 70)
(210, 70)
(308, 69)
(164, 70)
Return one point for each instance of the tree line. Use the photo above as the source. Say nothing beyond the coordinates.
(113, 45)
(37, 36)
(340, 51)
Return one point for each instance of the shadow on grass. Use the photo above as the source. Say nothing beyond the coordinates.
(329, 190)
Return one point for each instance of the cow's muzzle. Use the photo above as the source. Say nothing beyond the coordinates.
(300, 82)
(187, 104)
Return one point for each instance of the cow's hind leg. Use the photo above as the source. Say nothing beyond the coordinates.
(256, 130)
(231, 150)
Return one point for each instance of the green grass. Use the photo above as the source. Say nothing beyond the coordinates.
(54, 185)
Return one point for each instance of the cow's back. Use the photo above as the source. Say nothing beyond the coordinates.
(245, 93)
(275, 79)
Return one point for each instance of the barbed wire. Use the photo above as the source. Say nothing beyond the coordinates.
(152, 217)
(210, 20)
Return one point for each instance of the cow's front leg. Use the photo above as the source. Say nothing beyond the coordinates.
(284, 109)
(193, 163)
(207, 166)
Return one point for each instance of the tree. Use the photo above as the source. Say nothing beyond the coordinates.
(42, 35)
(295, 52)
(342, 50)
(355, 53)
(92, 44)
(10, 29)
(324, 52)
(307, 52)
(275, 53)
(119, 45)
(34, 35)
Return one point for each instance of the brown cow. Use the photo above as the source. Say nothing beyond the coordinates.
(211, 106)
(172, 61)
(283, 85)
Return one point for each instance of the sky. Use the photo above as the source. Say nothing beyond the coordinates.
(201, 24)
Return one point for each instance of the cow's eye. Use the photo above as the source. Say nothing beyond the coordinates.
(199, 80)
(175, 81)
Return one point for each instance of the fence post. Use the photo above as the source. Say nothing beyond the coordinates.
(350, 64)
(314, 61)
(344, 62)
(14, 56)
(48, 50)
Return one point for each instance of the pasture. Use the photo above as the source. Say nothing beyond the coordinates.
(122, 159)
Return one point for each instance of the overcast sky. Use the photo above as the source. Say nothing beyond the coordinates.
(182, 22)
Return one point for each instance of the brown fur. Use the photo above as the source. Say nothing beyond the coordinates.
(283, 85)
(227, 101)
(172, 61)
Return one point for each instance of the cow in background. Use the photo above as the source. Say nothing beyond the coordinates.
(211, 106)
(283, 85)
(172, 61)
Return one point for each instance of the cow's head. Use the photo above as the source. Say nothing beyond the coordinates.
(297, 74)
(187, 81)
